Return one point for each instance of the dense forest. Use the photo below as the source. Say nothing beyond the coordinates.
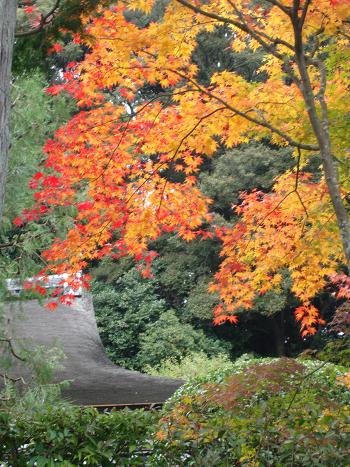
(191, 160)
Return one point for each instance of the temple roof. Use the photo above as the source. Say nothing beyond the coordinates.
(95, 379)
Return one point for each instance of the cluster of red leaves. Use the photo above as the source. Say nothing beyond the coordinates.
(32, 12)
(341, 320)
(342, 283)
(127, 201)
(39, 285)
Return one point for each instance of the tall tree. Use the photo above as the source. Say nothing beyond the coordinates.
(7, 33)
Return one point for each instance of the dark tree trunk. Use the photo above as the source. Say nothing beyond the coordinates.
(279, 337)
(7, 33)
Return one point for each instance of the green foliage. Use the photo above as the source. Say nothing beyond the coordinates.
(36, 390)
(261, 412)
(213, 54)
(200, 304)
(123, 310)
(253, 412)
(30, 52)
(273, 302)
(69, 436)
(168, 337)
(251, 166)
(135, 326)
(333, 344)
(182, 266)
(35, 116)
(336, 351)
(195, 364)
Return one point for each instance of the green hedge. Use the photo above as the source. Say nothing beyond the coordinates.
(71, 436)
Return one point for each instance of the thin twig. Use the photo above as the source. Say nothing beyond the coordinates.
(296, 392)
(10, 378)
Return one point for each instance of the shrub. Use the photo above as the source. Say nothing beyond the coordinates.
(170, 338)
(136, 328)
(192, 365)
(123, 311)
(336, 351)
(266, 412)
(69, 436)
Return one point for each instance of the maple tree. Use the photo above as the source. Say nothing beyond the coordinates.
(112, 165)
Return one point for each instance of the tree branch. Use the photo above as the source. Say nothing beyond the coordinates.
(287, 138)
(44, 21)
(10, 378)
(304, 12)
(161, 164)
(270, 48)
(8, 340)
(279, 5)
(274, 41)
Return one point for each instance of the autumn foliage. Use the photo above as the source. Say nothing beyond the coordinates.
(110, 164)
(290, 228)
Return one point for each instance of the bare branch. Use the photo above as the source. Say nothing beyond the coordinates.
(7, 245)
(304, 12)
(279, 5)
(9, 342)
(10, 378)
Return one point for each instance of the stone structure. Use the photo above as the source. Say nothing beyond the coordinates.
(95, 380)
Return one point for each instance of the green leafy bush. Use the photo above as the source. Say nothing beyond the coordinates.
(192, 365)
(336, 351)
(123, 311)
(70, 436)
(263, 412)
(168, 338)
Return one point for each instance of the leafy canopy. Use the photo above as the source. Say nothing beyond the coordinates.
(111, 162)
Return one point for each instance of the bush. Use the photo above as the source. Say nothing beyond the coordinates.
(265, 412)
(192, 365)
(136, 328)
(170, 338)
(70, 436)
(123, 311)
(336, 351)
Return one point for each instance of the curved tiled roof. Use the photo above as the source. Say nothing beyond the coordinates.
(95, 379)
